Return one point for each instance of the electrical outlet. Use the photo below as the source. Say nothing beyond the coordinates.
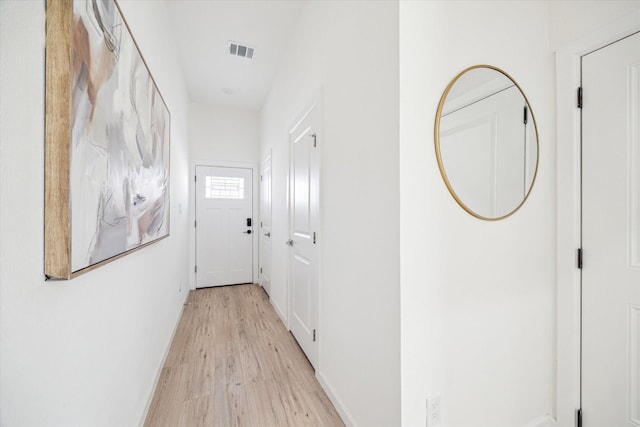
(434, 410)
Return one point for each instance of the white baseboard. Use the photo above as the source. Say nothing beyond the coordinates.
(337, 402)
(162, 363)
(280, 313)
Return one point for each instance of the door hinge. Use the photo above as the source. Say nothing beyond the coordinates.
(580, 97)
(195, 269)
(526, 114)
(578, 417)
(260, 270)
(580, 258)
(195, 224)
(260, 178)
(314, 237)
(314, 136)
(260, 224)
(314, 335)
(195, 178)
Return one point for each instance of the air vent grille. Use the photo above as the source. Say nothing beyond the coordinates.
(241, 50)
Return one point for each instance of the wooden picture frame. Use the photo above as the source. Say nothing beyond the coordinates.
(107, 141)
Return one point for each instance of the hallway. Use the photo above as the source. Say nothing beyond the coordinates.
(233, 363)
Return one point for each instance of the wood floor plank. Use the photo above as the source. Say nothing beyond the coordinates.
(264, 398)
(233, 363)
(198, 412)
(166, 406)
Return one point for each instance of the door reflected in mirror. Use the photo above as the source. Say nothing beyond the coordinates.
(486, 142)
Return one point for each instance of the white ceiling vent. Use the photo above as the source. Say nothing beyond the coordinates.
(241, 50)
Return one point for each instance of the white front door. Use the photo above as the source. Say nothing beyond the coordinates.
(265, 224)
(303, 231)
(224, 226)
(611, 235)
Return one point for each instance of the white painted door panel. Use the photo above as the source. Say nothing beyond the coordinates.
(224, 241)
(304, 220)
(265, 225)
(611, 235)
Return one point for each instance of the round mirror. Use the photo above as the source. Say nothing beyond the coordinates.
(486, 142)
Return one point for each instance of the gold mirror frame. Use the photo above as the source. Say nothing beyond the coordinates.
(443, 100)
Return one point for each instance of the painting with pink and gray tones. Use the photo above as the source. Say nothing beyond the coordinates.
(120, 141)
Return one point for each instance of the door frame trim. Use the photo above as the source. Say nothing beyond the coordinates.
(568, 185)
(255, 208)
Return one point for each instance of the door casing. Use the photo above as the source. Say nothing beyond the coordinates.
(568, 142)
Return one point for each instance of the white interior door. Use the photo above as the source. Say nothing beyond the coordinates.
(303, 228)
(224, 226)
(611, 235)
(265, 224)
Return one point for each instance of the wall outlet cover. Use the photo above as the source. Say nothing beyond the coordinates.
(434, 410)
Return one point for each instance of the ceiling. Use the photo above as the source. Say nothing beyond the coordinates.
(203, 29)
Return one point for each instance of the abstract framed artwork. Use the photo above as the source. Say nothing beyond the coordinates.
(107, 142)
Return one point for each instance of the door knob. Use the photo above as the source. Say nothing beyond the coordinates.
(247, 232)
(290, 242)
(267, 234)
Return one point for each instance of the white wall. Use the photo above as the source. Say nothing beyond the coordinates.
(575, 19)
(478, 297)
(221, 134)
(348, 52)
(87, 351)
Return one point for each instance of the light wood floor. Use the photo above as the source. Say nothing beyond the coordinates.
(233, 363)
